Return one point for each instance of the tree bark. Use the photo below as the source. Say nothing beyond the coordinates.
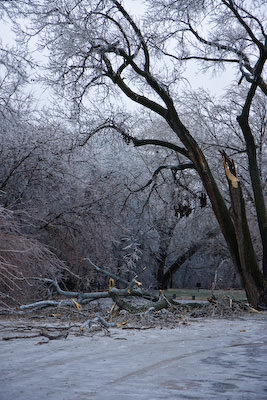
(257, 186)
(166, 277)
(243, 120)
(160, 272)
(254, 282)
(201, 165)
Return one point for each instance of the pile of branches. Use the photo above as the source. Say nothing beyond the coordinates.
(132, 306)
(120, 297)
(26, 267)
(99, 319)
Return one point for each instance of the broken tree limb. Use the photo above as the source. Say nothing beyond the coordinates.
(107, 273)
(101, 320)
(129, 284)
(162, 302)
(46, 303)
(20, 337)
(84, 298)
(79, 298)
(48, 335)
(55, 283)
(132, 287)
(125, 305)
(254, 283)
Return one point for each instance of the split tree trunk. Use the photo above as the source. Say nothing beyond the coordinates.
(234, 227)
(253, 280)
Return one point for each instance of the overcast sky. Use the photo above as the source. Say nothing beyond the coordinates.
(214, 83)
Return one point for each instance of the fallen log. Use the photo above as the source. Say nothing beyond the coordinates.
(162, 302)
(80, 298)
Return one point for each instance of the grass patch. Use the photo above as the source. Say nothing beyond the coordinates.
(202, 294)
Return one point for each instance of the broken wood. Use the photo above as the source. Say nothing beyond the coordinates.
(48, 335)
(79, 298)
(132, 304)
(253, 280)
(6, 338)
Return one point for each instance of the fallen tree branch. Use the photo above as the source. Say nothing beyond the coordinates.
(107, 273)
(102, 322)
(62, 335)
(46, 303)
(20, 337)
(79, 298)
(84, 298)
(162, 302)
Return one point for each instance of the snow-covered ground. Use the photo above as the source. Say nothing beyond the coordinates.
(207, 359)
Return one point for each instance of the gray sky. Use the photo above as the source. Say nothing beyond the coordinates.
(196, 80)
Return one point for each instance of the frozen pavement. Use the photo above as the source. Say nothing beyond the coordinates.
(209, 359)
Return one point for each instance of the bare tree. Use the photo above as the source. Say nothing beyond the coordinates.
(97, 45)
(24, 261)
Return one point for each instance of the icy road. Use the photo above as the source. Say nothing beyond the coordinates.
(208, 359)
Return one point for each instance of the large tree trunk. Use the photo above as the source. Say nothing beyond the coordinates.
(243, 120)
(235, 229)
(160, 272)
(166, 276)
(253, 280)
(217, 202)
(257, 186)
